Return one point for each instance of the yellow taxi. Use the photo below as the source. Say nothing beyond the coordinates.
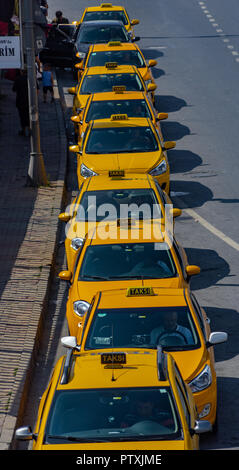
(116, 253)
(148, 317)
(103, 197)
(118, 401)
(129, 145)
(107, 11)
(105, 79)
(122, 53)
(120, 101)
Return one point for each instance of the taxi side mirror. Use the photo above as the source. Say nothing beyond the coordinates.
(161, 116)
(69, 342)
(65, 275)
(74, 148)
(24, 433)
(151, 87)
(79, 66)
(176, 212)
(169, 145)
(152, 63)
(72, 90)
(134, 22)
(201, 427)
(64, 217)
(76, 119)
(192, 270)
(136, 38)
(217, 337)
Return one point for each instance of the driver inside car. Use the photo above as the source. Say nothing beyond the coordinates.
(146, 410)
(171, 330)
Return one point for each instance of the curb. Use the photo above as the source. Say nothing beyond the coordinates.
(53, 199)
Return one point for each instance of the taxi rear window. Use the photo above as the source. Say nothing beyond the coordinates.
(117, 414)
(105, 109)
(106, 15)
(127, 261)
(171, 327)
(124, 57)
(121, 140)
(102, 83)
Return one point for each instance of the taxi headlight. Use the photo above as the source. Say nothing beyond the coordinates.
(160, 169)
(80, 307)
(202, 381)
(76, 243)
(86, 172)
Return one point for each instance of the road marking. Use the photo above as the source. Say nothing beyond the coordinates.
(219, 30)
(211, 228)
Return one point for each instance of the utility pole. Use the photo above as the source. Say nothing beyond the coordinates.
(36, 170)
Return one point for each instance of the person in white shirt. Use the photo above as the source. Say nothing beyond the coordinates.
(171, 328)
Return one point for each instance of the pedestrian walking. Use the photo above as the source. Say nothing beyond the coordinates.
(20, 86)
(47, 82)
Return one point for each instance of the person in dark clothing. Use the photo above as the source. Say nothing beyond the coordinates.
(59, 19)
(20, 86)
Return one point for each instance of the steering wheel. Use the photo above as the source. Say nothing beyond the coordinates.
(172, 339)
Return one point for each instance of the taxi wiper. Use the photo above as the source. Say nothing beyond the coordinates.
(77, 439)
(96, 277)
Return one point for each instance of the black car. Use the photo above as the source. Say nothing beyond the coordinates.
(65, 40)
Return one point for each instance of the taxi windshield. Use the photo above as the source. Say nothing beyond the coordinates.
(121, 140)
(101, 34)
(124, 57)
(106, 15)
(105, 109)
(171, 327)
(100, 83)
(127, 261)
(112, 204)
(104, 415)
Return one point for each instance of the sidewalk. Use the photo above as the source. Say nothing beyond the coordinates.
(28, 236)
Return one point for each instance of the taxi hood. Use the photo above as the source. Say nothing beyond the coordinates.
(139, 162)
(86, 290)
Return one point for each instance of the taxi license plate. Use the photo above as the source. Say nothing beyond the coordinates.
(113, 358)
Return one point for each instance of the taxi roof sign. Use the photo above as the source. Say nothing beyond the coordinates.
(111, 65)
(116, 173)
(119, 117)
(114, 43)
(106, 5)
(119, 88)
(139, 291)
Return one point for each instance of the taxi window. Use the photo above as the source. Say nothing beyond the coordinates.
(124, 57)
(121, 140)
(184, 404)
(171, 327)
(105, 109)
(106, 15)
(127, 261)
(110, 204)
(112, 414)
(101, 83)
(100, 34)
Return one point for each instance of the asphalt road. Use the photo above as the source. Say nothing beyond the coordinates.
(196, 45)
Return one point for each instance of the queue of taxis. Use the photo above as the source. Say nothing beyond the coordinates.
(107, 11)
(135, 399)
(104, 79)
(140, 368)
(123, 144)
(122, 54)
(148, 317)
(121, 251)
(140, 194)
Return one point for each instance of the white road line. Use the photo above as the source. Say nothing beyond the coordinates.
(212, 229)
